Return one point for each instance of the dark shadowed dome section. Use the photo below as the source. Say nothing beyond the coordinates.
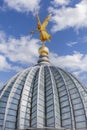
(43, 96)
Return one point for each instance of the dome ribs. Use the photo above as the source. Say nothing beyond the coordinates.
(4, 98)
(68, 116)
(76, 100)
(25, 101)
(37, 114)
(52, 111)
(12, 103)
(83, 95)
(64, 99)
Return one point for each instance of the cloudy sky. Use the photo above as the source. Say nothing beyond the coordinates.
(68, 27)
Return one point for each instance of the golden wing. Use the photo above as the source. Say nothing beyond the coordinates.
(45, 22)
(38, 20)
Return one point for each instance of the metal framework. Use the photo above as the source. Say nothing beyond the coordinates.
(43, 96)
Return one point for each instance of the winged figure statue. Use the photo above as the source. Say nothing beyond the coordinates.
(44, 36)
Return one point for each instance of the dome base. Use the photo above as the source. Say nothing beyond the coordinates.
(45, 129)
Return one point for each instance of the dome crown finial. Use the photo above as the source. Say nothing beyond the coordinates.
(43, 55)
(43, 50)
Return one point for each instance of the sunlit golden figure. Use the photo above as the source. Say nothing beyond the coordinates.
(44, 36)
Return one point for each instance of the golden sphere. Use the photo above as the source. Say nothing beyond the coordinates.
(43, 50)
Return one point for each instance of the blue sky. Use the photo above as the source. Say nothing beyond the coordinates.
(68, 27)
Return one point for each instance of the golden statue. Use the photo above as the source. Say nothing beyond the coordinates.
(44, 36)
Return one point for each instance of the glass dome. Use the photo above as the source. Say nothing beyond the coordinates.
(43, 96)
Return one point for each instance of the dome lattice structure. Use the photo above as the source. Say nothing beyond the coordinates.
(43, 96)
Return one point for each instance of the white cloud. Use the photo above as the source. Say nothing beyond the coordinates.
(2, 36)
(4, 64)
(23, 50)
(79, 40)
(74, 62)
(60, 2)
(83, 39)
(23, 5)
(71, 43)
(67, 16)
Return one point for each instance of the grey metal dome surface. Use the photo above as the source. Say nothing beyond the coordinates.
(43, 96)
